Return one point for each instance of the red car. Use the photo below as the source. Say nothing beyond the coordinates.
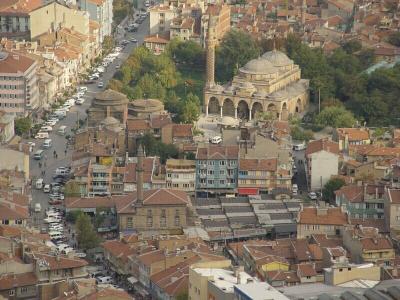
(55, 202)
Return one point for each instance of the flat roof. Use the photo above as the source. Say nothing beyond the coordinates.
(260, 291)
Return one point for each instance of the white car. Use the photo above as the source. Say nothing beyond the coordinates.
(51, 122)
(83, 89)
(46, 188)
(216, 140)
(46, 128)
(70, 102)
(100, 84)
(31, 144)
(79, 101)
(312, 195)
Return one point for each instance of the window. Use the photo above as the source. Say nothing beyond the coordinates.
(177, 221)
(340, 270)
(11, 292)
(149, 221)
(222, 163)
(380, 205)
(24, 290)
(348, 269)
(308, 277)
(149, 213)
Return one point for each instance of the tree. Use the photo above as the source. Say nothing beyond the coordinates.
(191, 110)
(352, 46)
(72, 189)
(86, 235)
(22, 126)
(108, 44)
(300, 134)
(335, 116)
(394, 39)
(236, 49)
(186, 52)
(328, 192)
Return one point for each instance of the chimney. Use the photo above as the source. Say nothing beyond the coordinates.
(139, 175)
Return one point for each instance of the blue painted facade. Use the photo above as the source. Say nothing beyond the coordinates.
(215, 170)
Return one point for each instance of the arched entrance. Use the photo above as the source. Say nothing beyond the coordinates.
(228, 109)
(256, 108)
(273, 110)
(243, 110)
(299, 107)
(285, 112)
(213, 106)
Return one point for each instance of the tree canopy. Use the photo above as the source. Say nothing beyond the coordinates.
(335, 116)
(22, 126)
(236, 49)
(328, 192)
(154, 147)
(86, 235)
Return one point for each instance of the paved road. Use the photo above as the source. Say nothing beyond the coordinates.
(300, 178)
(77, 112)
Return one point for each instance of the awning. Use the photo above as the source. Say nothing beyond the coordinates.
(248, 191)
(132, 280)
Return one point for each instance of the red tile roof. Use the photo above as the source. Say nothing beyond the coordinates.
(118, 249)
(156, 39)
(61, 262)
(258, 164)
(18, 7)
(372, 244)
(323, 144)
(217, 152)
(333, 216)
(305, 270)
(148, 165)
(15, 63)
(356, 193)
(354, 134)
(12, 281)
(90, 202)
(153, 197)
(138, 125)
(108, 294)
(182, 130)
(13, 212)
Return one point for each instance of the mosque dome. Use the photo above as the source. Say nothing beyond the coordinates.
(258, 66)
(277, 58)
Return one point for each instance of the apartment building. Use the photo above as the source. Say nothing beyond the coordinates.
(216, 169)
(260, 176)
(321, 153)
(19, 93)
(180, 174)
(222, 16)
(100, 11)
(161, 17)
(351, 136)
(322, 220)
(392, 212)
(15, 18)
(54, 16)
(362, 201)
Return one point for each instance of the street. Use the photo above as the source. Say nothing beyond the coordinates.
(49, 162)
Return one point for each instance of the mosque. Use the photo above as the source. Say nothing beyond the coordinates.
(270, 83)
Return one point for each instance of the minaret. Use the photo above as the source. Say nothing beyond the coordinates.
(139, 175)
(210, 42)
(303, 14)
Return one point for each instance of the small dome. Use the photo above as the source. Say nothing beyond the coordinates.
(277, 58)
(258, 66)
(230, 89)
(110, 122)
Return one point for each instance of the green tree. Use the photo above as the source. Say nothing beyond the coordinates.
(186, 52)
(394, 39)
(300, 134)
(86, 235)
(72, 216)
(352, 46)
(22, 126)
(182, 296)
(328, 192)
(335, 116)
(236, 49)
(191, 110)
(108, 44)
(72, 189)
(153, 146)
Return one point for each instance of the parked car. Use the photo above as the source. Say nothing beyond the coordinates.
(46, 128)
(79, 101)
(312, 196)
(216, 140)
(100, 84)
(55, 202)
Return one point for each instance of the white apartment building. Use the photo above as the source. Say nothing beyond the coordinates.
(161, 17)
(19, 93)
(181, 174)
